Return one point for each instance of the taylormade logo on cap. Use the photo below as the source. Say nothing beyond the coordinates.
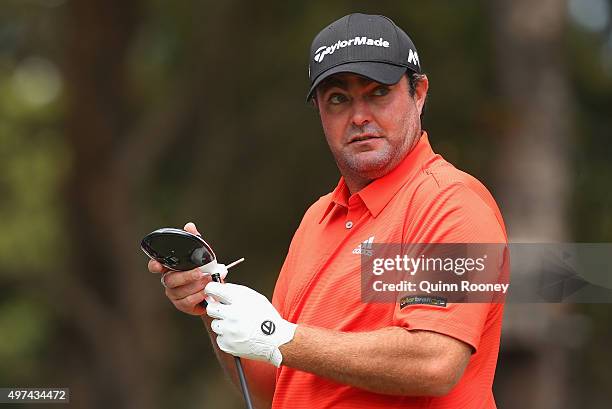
(327, 50)
(368, 45)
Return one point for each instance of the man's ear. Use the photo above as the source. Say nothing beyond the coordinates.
(420, 94)
(314, 102)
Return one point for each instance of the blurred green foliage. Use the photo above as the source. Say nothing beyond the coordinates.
(247, 159)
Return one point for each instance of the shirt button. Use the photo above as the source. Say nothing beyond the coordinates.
(349, 224)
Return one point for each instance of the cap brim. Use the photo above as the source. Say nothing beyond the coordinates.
(384, 73)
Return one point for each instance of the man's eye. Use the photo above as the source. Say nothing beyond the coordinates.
(336, 99)
(381, 91)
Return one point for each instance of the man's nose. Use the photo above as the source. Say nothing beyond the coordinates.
(361, 113)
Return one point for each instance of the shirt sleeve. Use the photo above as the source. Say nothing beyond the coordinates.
(454, 214)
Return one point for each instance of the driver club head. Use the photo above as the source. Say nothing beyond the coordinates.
(177, 249)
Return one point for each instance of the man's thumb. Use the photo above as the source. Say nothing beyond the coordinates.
(191, 228)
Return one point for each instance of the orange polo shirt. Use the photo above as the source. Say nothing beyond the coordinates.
(423, 200)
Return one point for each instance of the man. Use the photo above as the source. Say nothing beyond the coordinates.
(327, 347)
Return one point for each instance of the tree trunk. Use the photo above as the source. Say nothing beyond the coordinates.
(533, 179)
(115, 332)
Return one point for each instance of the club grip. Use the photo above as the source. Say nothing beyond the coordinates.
(214, 277)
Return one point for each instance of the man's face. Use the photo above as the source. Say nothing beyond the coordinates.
(369, 126)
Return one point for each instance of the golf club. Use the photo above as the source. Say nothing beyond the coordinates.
(179, 250)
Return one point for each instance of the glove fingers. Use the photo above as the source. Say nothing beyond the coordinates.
(218, 326)
(217, 310)
(222, 345)
(224, 292)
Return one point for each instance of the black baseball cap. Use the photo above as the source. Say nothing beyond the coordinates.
(364, 44)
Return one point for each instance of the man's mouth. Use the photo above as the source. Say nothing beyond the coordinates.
(363, 137)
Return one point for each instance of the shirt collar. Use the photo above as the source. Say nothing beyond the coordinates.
(379, 193)
(339, 197)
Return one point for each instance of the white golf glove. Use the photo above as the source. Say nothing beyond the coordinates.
(246, 323)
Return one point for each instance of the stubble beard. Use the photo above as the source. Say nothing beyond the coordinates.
(367, 165)
(373, 165)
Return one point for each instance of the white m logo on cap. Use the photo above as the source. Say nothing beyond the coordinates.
(413, 58)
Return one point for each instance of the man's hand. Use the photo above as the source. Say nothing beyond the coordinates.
(185, 289)
(247, 324)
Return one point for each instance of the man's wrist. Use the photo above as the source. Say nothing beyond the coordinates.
(288, 350)
(288, 333)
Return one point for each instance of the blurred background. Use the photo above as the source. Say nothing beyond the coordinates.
(119, 116)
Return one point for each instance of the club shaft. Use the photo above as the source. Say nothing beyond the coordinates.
(243, 383)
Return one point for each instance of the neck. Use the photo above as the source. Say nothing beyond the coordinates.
(355, 184)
